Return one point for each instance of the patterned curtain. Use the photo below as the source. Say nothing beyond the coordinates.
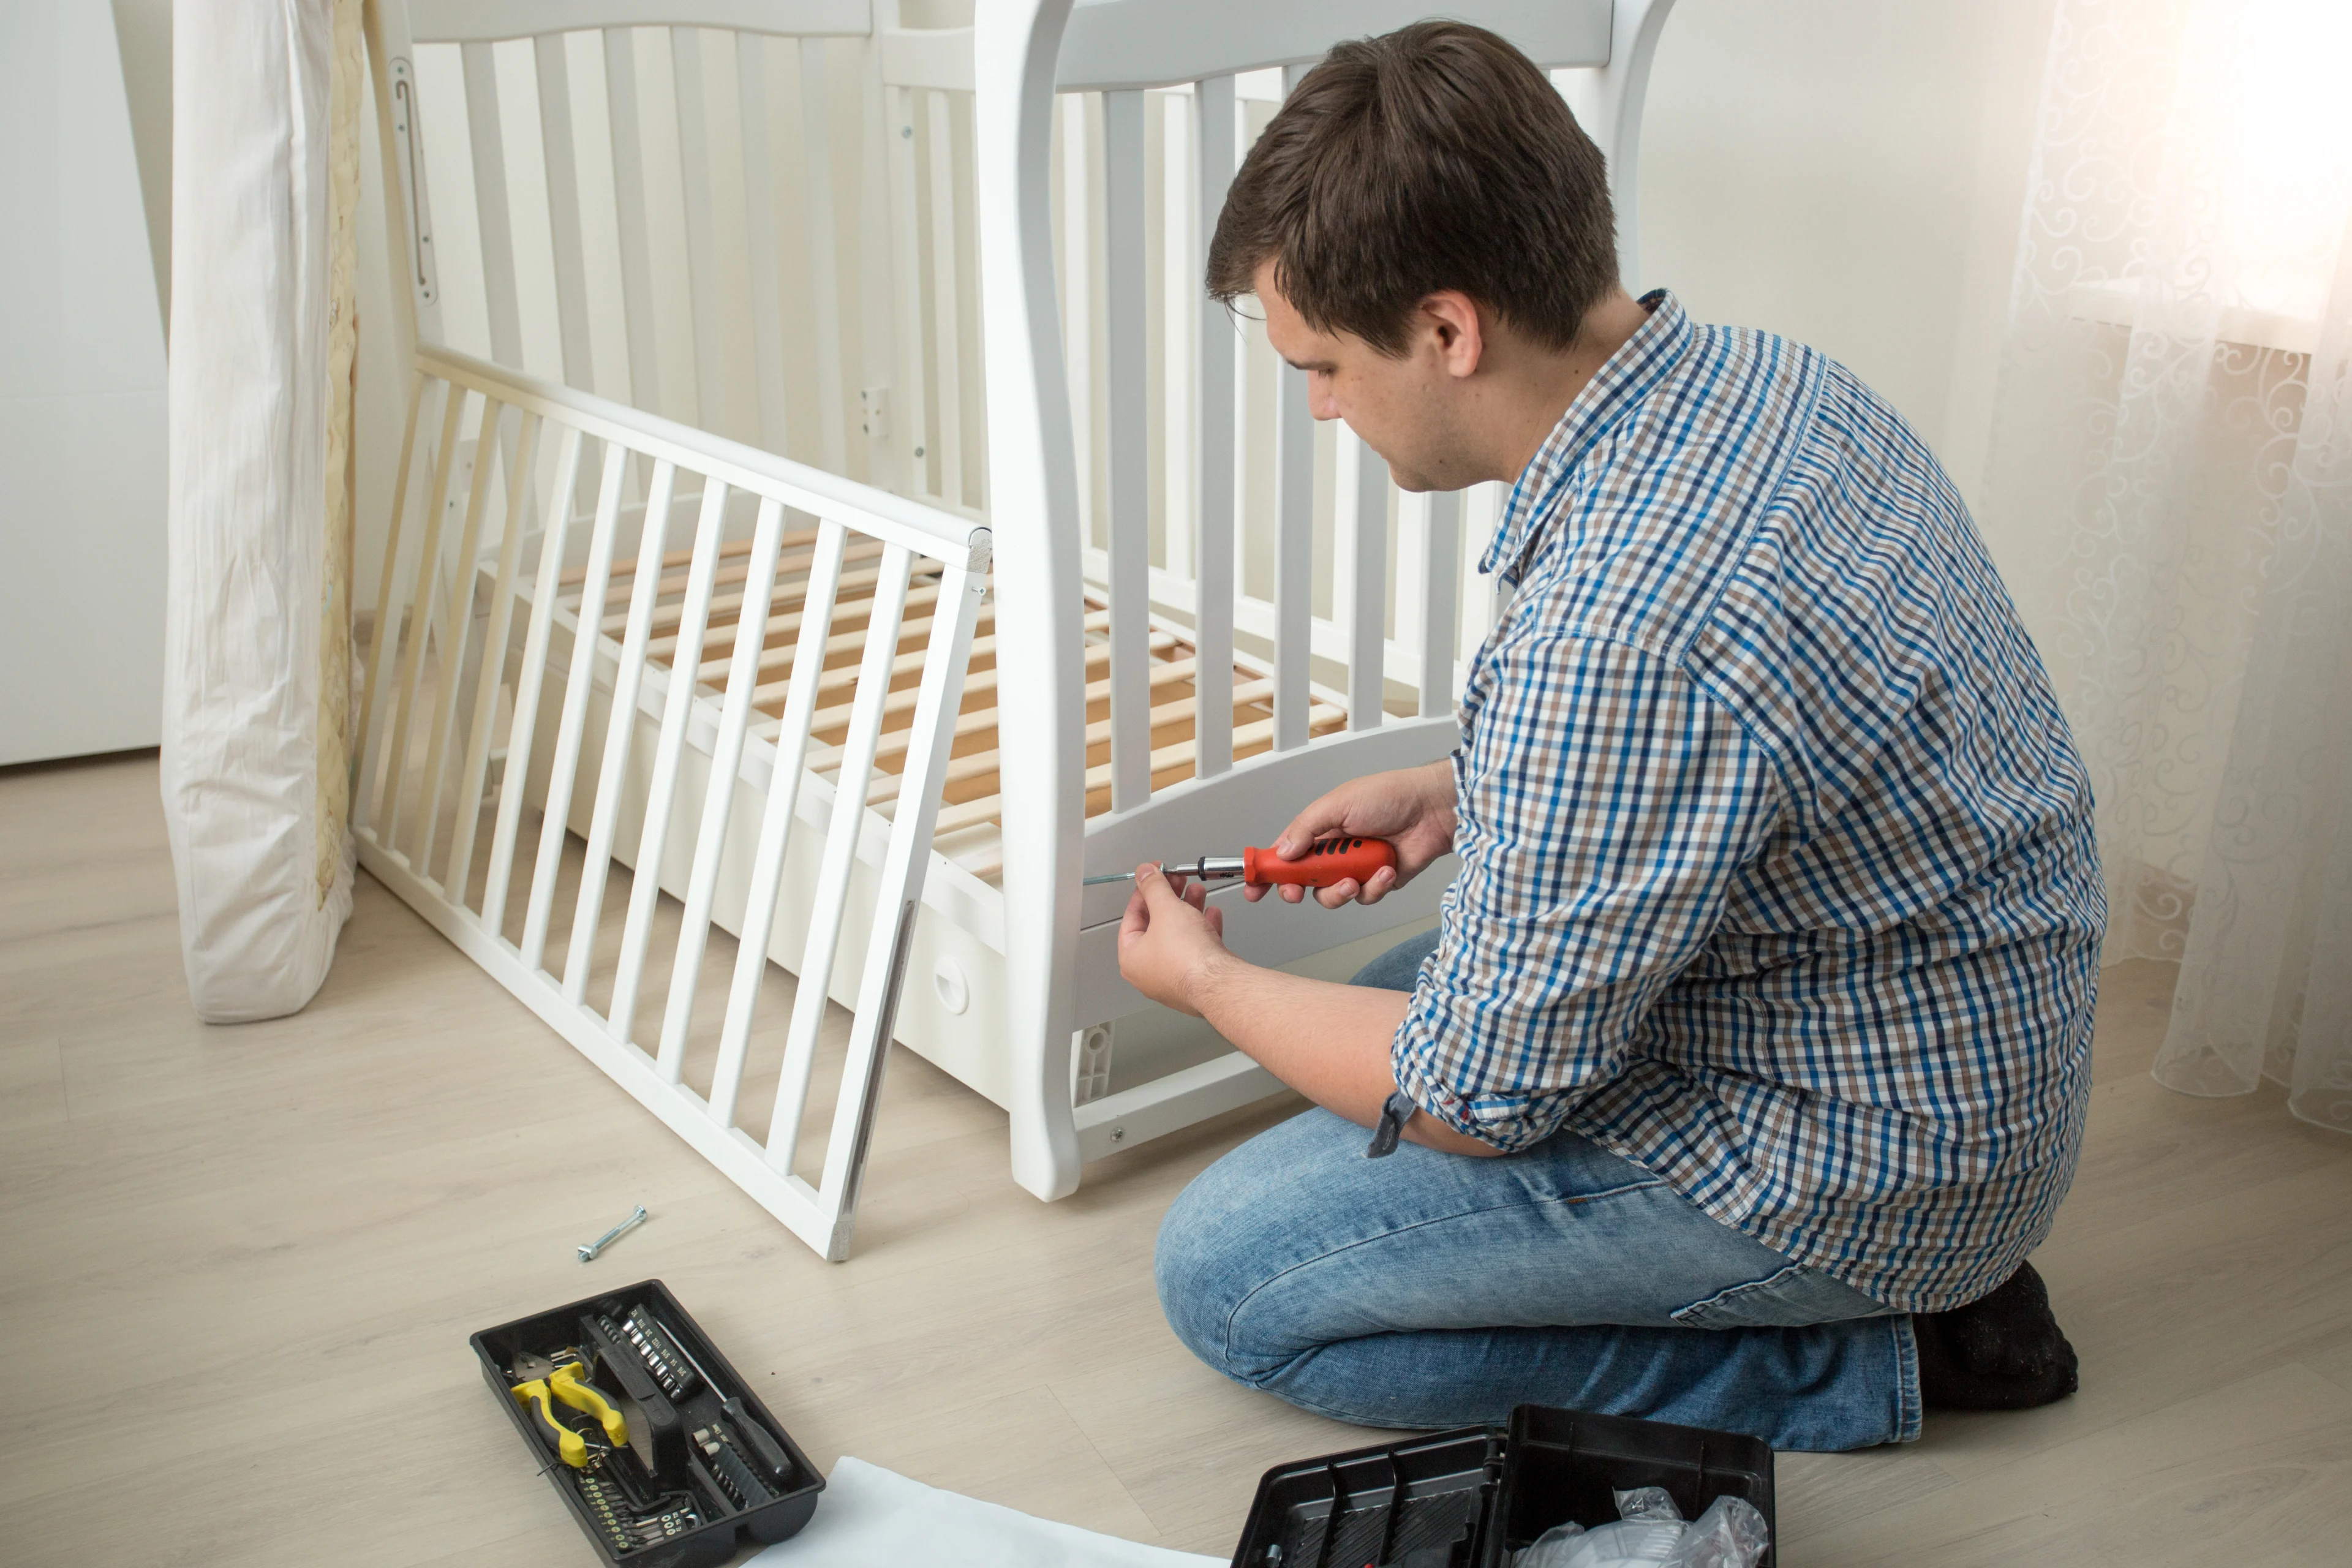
(2174, 434)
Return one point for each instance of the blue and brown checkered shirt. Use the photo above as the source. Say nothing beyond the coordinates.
(1778, 876)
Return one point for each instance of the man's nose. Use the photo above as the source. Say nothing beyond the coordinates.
(1319, 401)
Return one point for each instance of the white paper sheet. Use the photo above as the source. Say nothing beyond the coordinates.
(868, 1517)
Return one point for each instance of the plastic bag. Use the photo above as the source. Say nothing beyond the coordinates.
(1550, 1550)
(1730, 1534)
(1629, 1544)
(1647, 1504)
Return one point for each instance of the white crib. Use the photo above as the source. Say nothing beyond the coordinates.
(1206, 609)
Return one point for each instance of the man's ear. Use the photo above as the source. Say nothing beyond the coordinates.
(1449, 318)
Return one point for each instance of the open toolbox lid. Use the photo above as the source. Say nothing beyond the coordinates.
(1470, 1498)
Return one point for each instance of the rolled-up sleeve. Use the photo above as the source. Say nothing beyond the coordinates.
(1605, 805)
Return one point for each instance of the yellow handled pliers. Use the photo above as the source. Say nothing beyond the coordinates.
(545, 1385)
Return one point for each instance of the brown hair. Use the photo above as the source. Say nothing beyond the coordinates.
(1433, 157)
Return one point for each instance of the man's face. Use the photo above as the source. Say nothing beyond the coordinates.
(1404, 409)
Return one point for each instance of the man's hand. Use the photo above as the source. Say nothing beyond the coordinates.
(1170, 939)
(1412, 809)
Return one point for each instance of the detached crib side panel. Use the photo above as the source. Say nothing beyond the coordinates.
(954, 990)
(526, 855)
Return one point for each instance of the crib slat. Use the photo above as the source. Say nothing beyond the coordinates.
(420, 618)
(1129, 450)
(896, 903)
(1294, 538)
(1346, 482)
(979, 764)
(1367, 593)
(719, 797)
(523, 728)
(1481, 602)
(629, 217)
(474, 766)
(907, 287)
(1213, 435)
(776, 826)
(825, 255)
(384, 633)
(1441, 562)
(1176, 359)
(563, 165)
(760, 234)
(1293, 556)
(947, 318)
(619, 733)
(675, 583)
(1162, 671)
(1079, 299)
(1176, 755)
(701, 248)
(779, 658)
(669, 750)
(814, 971)
(456, 618)
(565, 771)
(1412, 527)
(492, 207)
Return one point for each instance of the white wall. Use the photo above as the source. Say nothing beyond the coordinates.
(1850, 174)
(81, 398)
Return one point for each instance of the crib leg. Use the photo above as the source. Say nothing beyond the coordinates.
(1044, 1127)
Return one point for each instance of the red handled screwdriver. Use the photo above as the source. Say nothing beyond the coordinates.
(1328, 863)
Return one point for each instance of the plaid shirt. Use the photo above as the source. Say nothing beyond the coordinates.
(1778, 875)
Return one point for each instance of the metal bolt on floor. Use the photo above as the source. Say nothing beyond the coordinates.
(588, 1253)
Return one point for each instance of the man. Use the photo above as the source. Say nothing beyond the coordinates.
(1750, 1058)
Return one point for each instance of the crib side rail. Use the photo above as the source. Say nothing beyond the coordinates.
(522, 777)
(1207, 497)
(1210, 506)
(675, 203)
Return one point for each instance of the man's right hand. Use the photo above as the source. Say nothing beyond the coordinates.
(1412, 809)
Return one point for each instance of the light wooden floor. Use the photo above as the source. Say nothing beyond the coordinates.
(241, 1265)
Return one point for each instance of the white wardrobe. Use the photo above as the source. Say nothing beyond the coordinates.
(81, 398)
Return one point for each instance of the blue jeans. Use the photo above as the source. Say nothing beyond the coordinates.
(1430, 1290)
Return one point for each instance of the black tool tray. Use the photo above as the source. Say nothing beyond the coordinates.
(1471, 1497)
(723, 1467)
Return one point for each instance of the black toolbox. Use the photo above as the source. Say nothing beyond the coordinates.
(704, 1463)
(1469, 1498)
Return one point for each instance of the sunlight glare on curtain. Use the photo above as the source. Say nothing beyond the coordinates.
(2285, 133)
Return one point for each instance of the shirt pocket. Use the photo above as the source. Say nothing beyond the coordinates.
(1793, 1298)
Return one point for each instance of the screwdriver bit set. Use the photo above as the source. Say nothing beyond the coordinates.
(664, 1455)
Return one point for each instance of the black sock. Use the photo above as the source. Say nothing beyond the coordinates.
(2002, 1351)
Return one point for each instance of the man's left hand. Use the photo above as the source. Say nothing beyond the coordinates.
(1170, 939)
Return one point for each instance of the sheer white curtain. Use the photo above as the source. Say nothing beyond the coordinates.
(2174, 444)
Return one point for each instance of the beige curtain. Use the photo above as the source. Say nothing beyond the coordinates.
(2174, 436)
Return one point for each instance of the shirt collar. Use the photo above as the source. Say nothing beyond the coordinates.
(1622, 381)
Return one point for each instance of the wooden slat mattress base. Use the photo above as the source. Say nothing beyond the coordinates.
(972, 805)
